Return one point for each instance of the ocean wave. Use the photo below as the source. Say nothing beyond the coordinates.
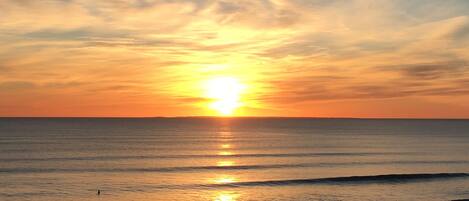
(80, 158)
(388, 178)
(213, 168)
(346, 180)
(162, 169)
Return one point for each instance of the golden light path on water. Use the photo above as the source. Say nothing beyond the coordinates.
(225, 163)
(225, 150)
(226, 196)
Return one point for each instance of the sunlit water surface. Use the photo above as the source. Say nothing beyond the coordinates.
(233, 159)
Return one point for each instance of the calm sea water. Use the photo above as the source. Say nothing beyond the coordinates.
(233, 159)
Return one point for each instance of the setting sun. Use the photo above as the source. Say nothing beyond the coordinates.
(225, 93)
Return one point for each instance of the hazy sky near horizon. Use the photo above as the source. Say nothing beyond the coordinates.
(330, 58)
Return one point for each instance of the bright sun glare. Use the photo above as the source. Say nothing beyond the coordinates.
(225, 93)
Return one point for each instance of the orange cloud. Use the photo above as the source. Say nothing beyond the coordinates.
(306, 58)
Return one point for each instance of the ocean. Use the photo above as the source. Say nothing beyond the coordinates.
(233, 159)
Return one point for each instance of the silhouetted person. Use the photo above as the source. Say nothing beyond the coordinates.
(99, 192)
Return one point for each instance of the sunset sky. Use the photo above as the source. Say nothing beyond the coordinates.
(317, 58)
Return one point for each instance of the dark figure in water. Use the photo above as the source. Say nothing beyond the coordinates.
(99, 192)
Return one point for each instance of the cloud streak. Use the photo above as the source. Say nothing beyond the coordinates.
(156, 52)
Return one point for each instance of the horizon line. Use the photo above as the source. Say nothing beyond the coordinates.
(228, 117)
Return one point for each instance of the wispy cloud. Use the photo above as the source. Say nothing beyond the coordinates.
(155, 52)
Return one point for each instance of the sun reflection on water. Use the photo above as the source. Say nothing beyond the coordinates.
(225, 163)
(225, 153)
(226, 196)
(225, 136)
(226, 179)
(225, 150)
